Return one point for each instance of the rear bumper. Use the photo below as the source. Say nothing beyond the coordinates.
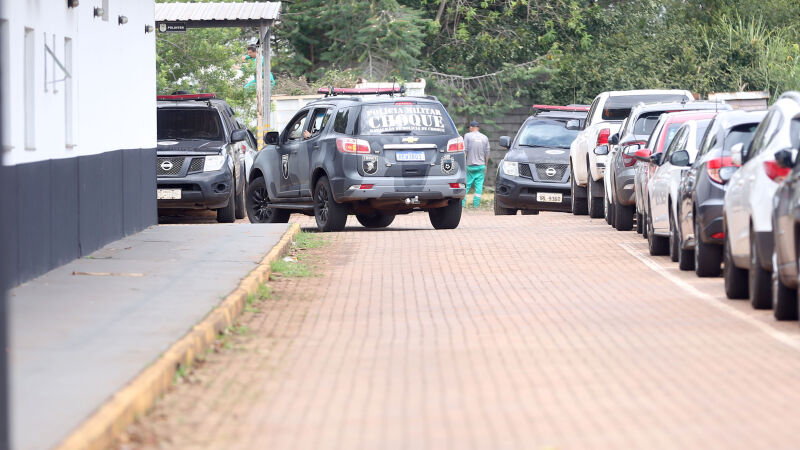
(625, 187)
(400, 189)
(206, 190)
(709, 220)
(520, 193)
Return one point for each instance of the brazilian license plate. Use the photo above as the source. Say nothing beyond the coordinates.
(548, 197)
(410, 155)
(168, 194)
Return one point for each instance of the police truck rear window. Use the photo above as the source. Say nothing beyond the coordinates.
(418, 119)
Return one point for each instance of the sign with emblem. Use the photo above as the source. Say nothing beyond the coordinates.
(369, 164)
(173, 27)
(410, 139)
(448, 164)
(285, 166)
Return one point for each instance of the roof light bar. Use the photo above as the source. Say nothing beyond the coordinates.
(561, 108)
(186, 97)
(332, 91)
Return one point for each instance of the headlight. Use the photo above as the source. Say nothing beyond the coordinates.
(511, 168)
(214, 162)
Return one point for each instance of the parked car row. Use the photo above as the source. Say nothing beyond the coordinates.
(715, 189)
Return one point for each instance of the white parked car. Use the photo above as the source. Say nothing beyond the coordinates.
(747, 213)
(605, 116)
(662, 188)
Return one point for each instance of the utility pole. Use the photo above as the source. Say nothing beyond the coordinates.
(263, 83)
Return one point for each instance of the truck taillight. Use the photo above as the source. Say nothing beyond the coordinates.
(602, 137)
(715, 166)
(775, 172)
(455, 144)
(350, 145)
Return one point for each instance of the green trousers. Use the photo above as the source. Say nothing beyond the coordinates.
(475, 176)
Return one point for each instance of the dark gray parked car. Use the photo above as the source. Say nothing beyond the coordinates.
(201, 152)
(620, 196)
(534, 174)
(702, 190)
(373, 157)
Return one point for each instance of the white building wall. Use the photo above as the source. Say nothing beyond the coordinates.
(113, 78)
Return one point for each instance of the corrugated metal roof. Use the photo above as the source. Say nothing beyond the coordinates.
(184, 12)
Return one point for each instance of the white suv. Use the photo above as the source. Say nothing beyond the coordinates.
(747, 214)
(605, 116)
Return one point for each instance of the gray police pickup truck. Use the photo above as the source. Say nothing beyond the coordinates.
(200, 158)
(374, 157)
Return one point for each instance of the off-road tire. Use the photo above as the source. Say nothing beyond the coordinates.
(330, 216)
(241, 207)
(500, 211)
(656, 245)
(735, 277)
(375, 221)
(784, 299)
(579, 205)
(594, 205)
(645, 233)
(257, 204)
(623, 217)
(639, 223)
(446, 218)
(608, 210)
(707, 257)
(759, 280)
(227, 214)
(674, 240)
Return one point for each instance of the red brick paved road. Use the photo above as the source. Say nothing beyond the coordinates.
(509, 332)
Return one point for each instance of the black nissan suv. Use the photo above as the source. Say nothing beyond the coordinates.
(372, 156)
(200, 155)
(534, 174)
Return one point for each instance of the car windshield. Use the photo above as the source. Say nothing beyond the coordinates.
(546, 133)
(618, 108)
(405, 117)
(741, 134)
(194, 123)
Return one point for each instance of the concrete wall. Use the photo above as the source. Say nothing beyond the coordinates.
(505, 125)
(78, 151)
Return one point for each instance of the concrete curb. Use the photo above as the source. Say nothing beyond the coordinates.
(109, 421)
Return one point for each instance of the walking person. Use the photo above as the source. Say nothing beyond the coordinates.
(476, 147)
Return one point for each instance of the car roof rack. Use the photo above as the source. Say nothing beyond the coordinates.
(331, 91)
(183, 95)
(572, 108)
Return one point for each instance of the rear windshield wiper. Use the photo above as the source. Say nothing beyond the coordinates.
(397, 132)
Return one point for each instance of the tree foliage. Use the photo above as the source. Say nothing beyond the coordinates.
(485, 56)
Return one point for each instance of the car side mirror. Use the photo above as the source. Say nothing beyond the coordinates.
(785, 158)
(601, 150)
(271, 137)
(736, 154)
(631, 149)
(238, 135)
(656, 159)
(614, 139)
(505, 142)
(680, 158)
(643, 154)
(574, 125)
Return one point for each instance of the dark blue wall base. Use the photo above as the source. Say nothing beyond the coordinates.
(57, 210)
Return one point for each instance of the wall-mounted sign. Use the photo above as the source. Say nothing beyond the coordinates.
(172, 27)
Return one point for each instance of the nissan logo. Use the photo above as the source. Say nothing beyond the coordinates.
(166, 166)
(550, 171)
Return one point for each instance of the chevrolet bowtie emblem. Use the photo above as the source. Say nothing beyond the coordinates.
(410, 139)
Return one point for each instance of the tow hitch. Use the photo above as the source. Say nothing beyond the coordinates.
(412, 200)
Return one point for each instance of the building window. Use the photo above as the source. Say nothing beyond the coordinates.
(69, 126)
(30, 101)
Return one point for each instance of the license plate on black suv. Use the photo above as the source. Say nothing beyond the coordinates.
(548, 197)
(410, 155)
